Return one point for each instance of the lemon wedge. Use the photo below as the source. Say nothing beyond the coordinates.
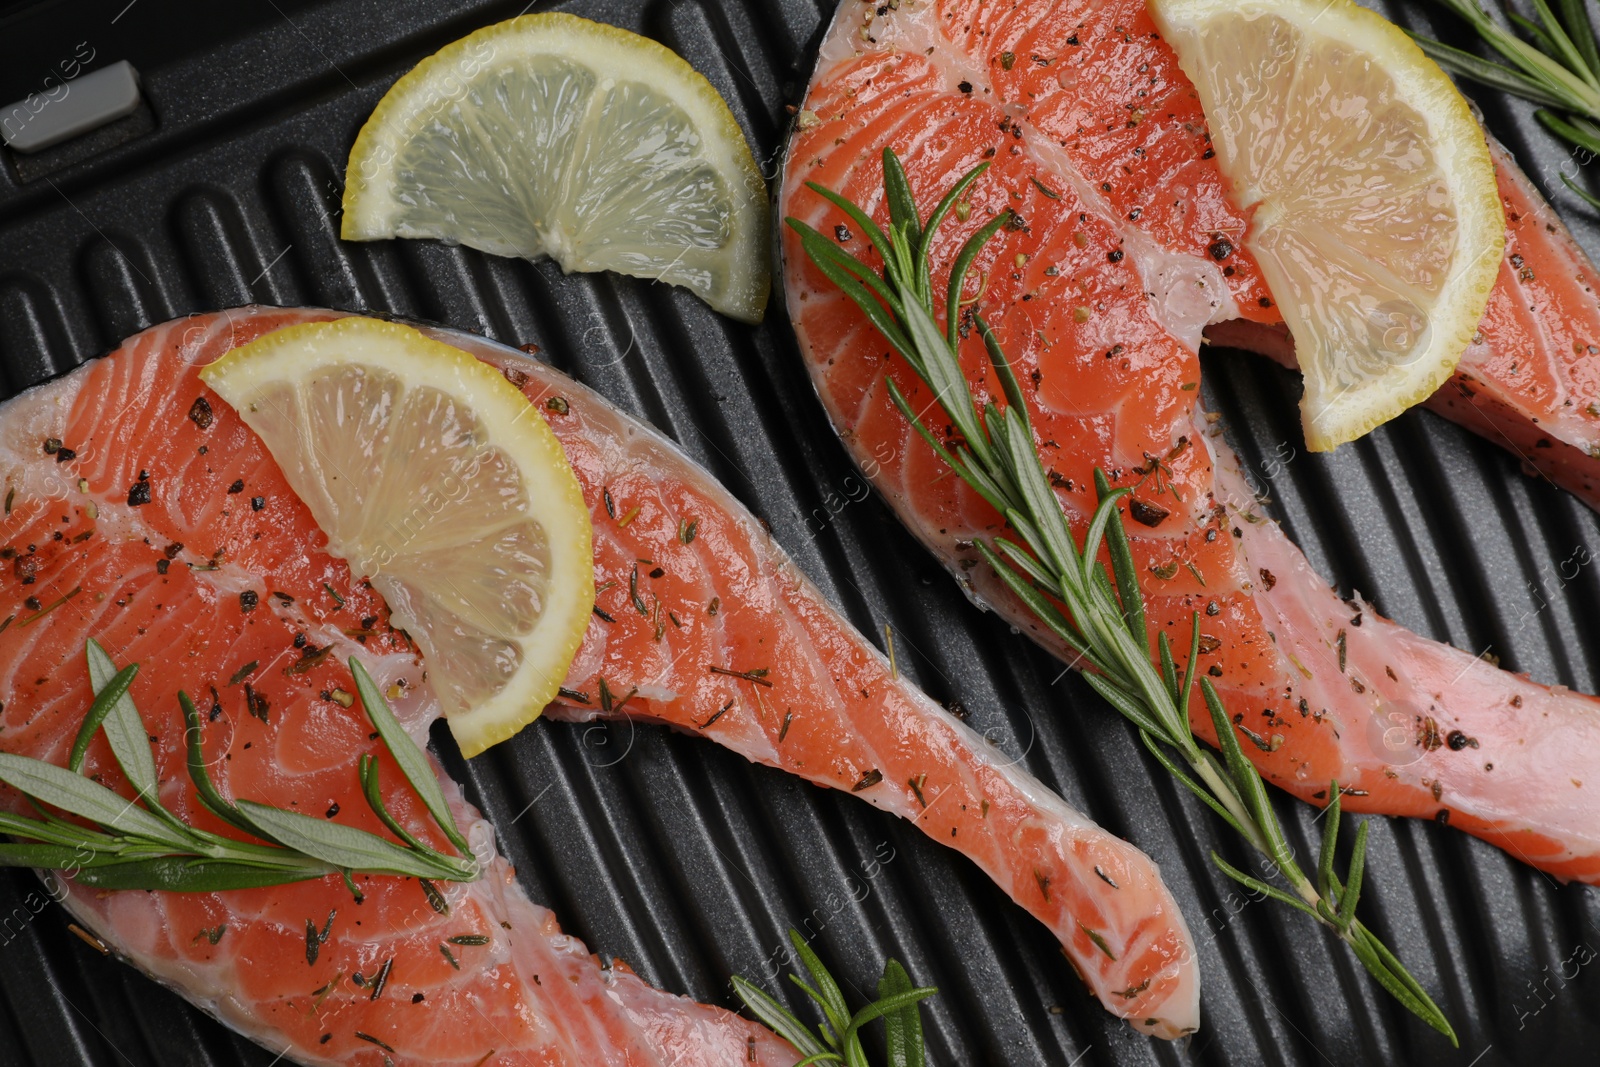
(1374, 212)
(437, 480)
(550, 135)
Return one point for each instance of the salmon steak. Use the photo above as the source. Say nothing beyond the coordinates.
(1123, 250)
(142, 513)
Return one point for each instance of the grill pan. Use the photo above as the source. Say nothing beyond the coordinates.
(676, 855)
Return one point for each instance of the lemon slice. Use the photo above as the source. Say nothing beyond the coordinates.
(1376, 219)
(436, 479)
(553, 135)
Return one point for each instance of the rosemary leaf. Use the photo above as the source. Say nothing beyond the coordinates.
(1264, 888)
(104, 699)
(413, 761)
(1330, 841)
(344, 847)
(903, 1027)
(200, 776)
(838, 1040)
(178, 874)
(74, 793)
(827, 993)
(777, 1018)
(1352, 885)
(149, 848)
(130, 743)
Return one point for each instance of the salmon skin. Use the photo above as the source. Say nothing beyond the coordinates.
(1122, 250)
(170, 535)
(703, 624)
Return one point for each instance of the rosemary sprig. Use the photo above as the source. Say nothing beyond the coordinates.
(143, 845)
(1098, 614)
(838, 1039)
(1558, 66)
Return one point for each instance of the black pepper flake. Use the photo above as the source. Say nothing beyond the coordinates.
(33, 603)
(868, 780)
(248, 600)
(1145, 513)
(257, 503)
(26, 568)
(1220, 248)
(416, 998)
(200, 413)
(1265, 301)
(139, 493)
(1115, 255)
(172, 550)
(842, 233)
(1268, 579)
(965, 87)
(64, 453)
(162, 565)
(1458, 741)
(237, 487)
(333, 809)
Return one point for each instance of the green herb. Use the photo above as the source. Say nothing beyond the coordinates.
(1558, 66)
(1097, 614)
(436, 899)
(758, 676)
(839, 1039)
(142, 845)
(382, 979)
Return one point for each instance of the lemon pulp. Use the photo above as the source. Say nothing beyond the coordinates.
(438, 481)
(551, 135)
(1375, 216)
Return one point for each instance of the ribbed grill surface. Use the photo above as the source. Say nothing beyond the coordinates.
(678, 856)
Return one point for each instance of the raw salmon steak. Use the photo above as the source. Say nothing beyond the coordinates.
(1122, 250)
(157, 523)
(163, 529)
